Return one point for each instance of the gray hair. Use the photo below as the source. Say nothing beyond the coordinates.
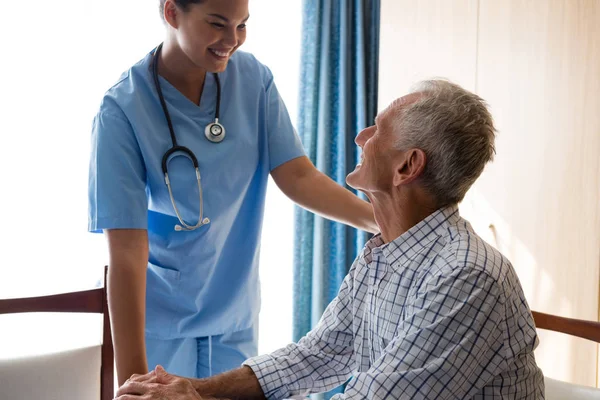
(455, 130)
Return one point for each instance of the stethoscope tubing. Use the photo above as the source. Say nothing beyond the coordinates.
(176, 148)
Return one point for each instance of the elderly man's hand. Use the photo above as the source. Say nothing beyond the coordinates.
(157, 385)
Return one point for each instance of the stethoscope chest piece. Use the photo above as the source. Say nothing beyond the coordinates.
(215, 132)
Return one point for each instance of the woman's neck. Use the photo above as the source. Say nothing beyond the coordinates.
(179, 71)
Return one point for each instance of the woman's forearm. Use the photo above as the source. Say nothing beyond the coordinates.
(320, 194)
(126, 302)
(315, 191)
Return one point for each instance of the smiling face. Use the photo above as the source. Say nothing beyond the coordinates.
(381, 158)
(209, 32)
(373, 173)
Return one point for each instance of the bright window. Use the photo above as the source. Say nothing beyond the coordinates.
(58, 60)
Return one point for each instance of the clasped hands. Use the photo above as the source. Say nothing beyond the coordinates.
(158, 385)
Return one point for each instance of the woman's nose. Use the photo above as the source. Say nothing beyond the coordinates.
(231, 38)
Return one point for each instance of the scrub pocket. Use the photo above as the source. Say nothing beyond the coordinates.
(162, 289)
(162, 280)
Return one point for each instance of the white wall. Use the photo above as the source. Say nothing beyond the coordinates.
(58, 59)
(276, 42)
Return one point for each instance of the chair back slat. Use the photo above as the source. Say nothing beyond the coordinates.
(87, 301)
(577, 327)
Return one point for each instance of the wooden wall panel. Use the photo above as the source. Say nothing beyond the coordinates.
(539, 68)
(537, 63)
(425, 39)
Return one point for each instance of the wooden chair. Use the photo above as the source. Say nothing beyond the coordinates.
(89, 301)
(558, 390)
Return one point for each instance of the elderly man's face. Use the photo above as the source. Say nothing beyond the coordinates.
(373, 173)
(376, 169)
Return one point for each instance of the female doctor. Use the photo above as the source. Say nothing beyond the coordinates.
(182, 146)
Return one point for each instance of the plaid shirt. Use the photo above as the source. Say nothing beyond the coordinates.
(435, 314)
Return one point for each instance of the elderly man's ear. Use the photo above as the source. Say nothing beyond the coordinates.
(410, 166)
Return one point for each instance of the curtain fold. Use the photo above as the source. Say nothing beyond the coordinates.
(338, 98)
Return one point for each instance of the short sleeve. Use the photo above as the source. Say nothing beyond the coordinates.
(117, 176)
(284, 143)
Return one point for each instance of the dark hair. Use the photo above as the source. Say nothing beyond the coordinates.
(183, 4)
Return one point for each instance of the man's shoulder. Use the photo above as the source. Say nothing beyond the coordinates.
(465, 249)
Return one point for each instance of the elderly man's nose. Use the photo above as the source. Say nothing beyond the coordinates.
(363, 136)
(358, 140)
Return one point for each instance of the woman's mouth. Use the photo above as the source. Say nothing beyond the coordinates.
(220, 54)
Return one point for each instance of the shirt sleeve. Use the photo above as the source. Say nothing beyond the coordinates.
(320, 361)
(283, 141)
(117, 175)
(449, 345)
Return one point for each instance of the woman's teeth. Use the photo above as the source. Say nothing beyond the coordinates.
(220, 53)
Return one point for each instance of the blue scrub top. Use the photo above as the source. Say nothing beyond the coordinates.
(204, 282)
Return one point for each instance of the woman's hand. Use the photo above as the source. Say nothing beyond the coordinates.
(157, 385)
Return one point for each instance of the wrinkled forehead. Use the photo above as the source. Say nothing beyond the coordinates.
(407, 99)
(397, 105)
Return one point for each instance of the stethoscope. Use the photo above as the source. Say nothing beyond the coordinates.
(214, 132)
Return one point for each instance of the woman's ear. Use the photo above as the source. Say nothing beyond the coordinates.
(170, 13)
(410, 167)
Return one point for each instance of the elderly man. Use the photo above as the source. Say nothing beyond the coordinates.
(428, 309)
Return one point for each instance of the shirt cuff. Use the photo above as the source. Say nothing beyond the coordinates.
(267, 372)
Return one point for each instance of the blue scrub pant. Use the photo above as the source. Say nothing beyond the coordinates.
(205, 356)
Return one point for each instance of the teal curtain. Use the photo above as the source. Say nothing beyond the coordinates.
(338, 98)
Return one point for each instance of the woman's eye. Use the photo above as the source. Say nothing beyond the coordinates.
(218, 25)
(242, 26)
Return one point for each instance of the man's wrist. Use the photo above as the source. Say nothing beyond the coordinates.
(199, 385)
(240, 383)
